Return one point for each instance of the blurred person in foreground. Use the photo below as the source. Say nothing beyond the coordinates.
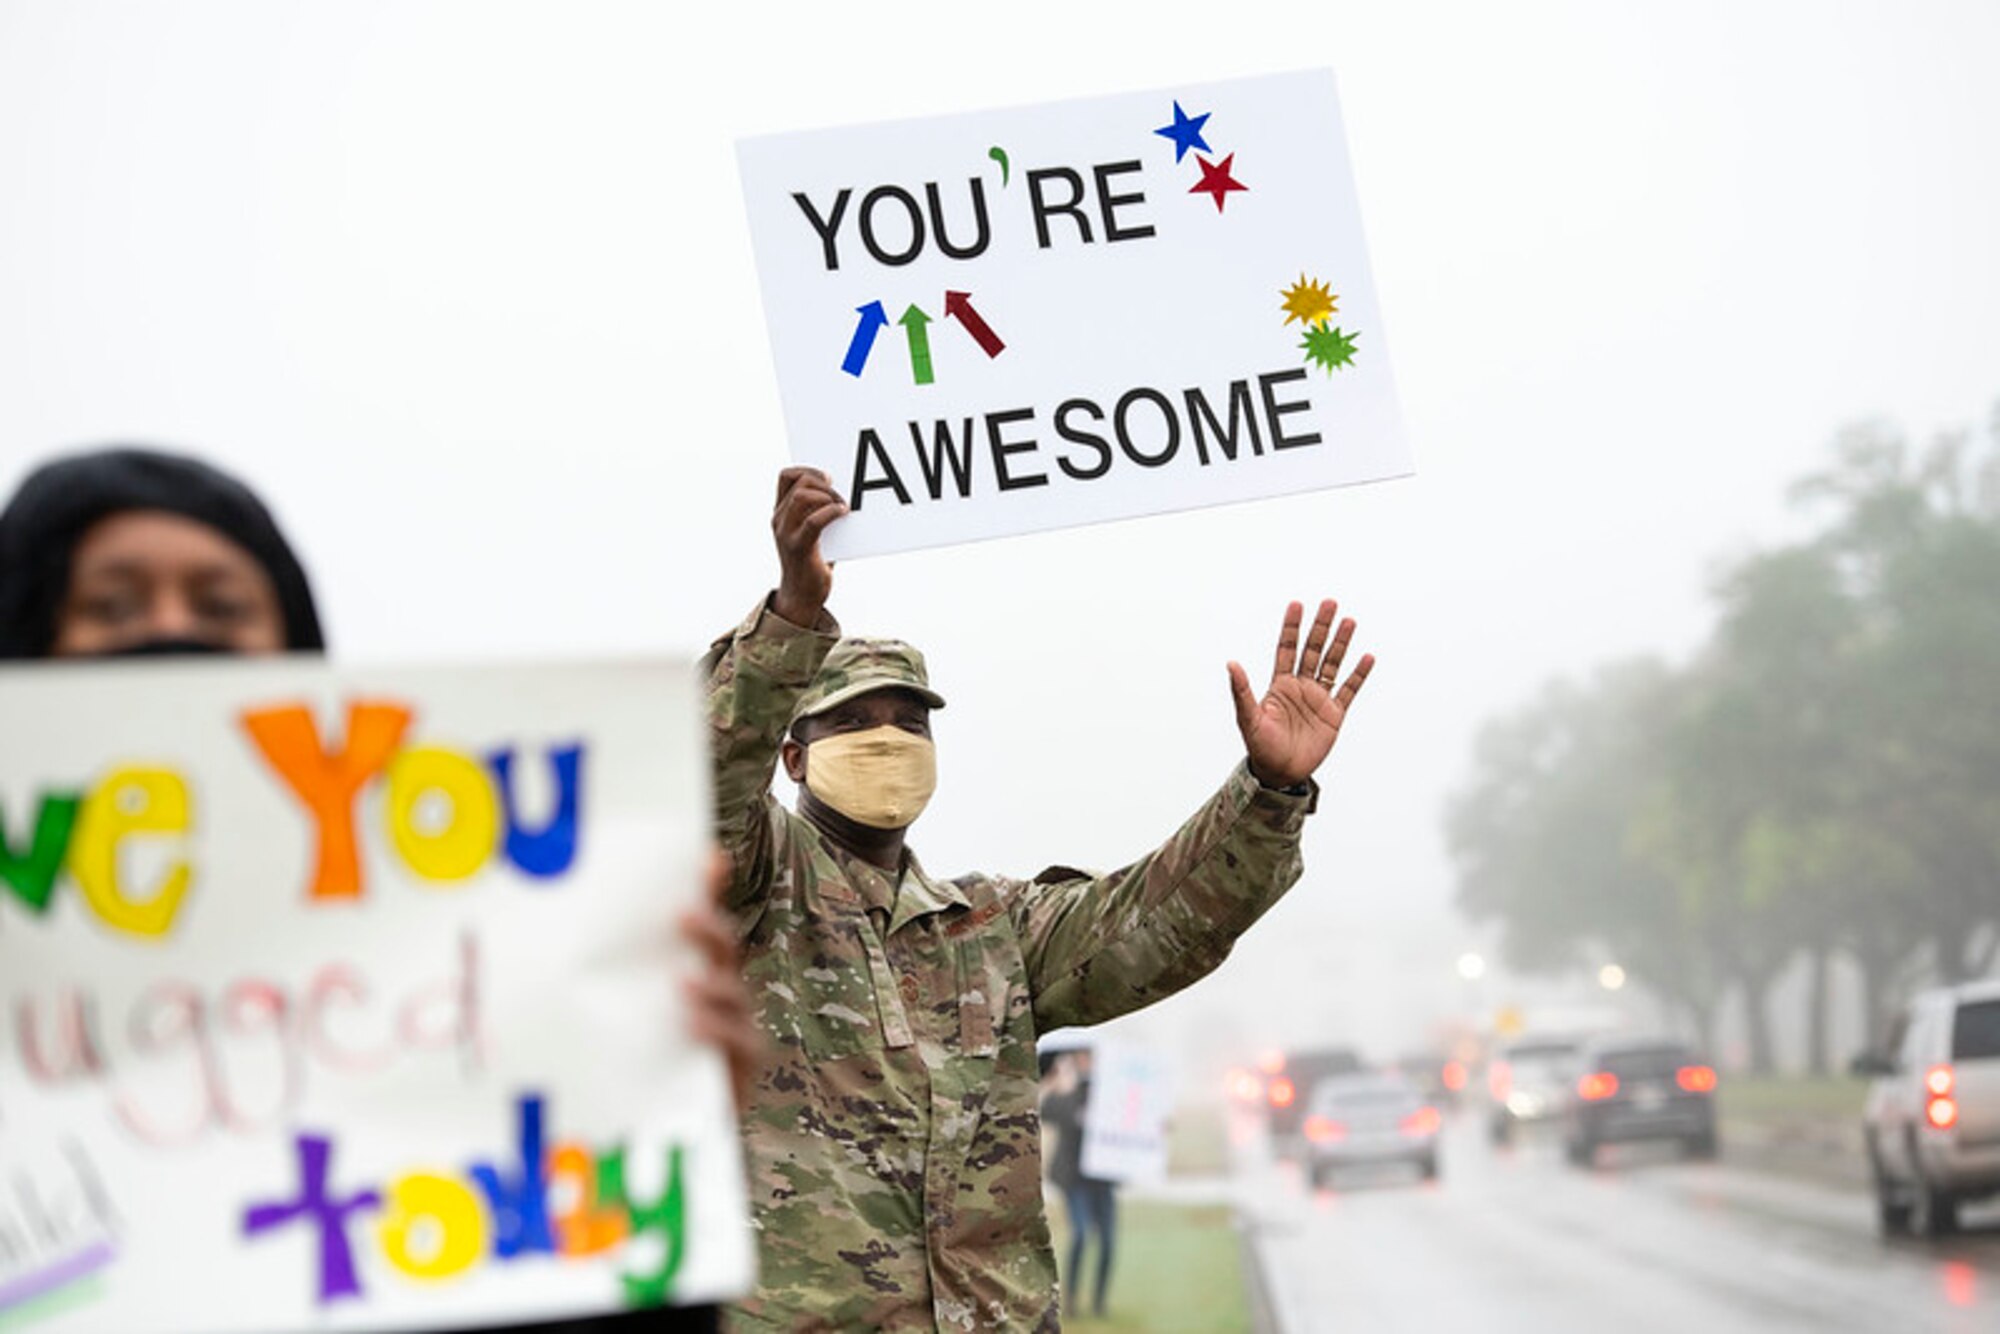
(892, 1133)
(1091, 1202)
(135, 553)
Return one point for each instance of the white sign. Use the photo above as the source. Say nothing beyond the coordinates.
(349, 999)
(1017, 320)
(1125, 1120)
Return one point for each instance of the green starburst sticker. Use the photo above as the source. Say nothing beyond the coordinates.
(1329, 348)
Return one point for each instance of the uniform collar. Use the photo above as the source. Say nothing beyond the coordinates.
(921, 895)
(916, 895)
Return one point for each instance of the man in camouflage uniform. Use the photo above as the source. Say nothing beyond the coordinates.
(892, 1136)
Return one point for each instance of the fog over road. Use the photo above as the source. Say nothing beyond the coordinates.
(1517, 1239)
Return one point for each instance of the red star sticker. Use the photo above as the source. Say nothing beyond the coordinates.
(1216, 180)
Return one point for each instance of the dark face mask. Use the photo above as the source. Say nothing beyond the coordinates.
(164, 648)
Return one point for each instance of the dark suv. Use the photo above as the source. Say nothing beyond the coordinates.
(1632, 1089)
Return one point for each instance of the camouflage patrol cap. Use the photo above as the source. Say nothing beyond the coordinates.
(857, 666)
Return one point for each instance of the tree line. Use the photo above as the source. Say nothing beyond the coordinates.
(1820, 780)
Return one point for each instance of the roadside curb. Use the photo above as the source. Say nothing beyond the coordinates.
(1271, 1302)
(1266, 1308)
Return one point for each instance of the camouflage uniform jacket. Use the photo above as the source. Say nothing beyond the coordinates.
(892, 1137)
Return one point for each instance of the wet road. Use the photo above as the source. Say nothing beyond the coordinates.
(1519, 1240)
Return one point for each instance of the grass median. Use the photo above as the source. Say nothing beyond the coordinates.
(1795, 1125)
(1178, 1267)
(1792, 1098)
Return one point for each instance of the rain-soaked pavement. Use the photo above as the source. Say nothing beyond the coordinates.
(1518, 1240)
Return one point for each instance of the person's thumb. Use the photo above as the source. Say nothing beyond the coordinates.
(1243, 696)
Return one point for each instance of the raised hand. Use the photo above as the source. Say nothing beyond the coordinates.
(1290, 731)
(807, 503)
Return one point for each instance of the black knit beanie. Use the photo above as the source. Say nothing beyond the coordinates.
(59, 502)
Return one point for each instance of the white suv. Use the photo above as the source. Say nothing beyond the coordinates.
(1933, 1116)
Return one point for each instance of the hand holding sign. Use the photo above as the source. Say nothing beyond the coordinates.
(807, 503)
(1291, 731)
(718, 1001)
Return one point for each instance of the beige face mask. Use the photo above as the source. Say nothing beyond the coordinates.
(882, 777)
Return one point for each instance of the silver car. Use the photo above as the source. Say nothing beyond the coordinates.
(1358, 1119)
(1932, 1120)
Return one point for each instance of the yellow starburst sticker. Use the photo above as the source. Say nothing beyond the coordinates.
(1309, 302)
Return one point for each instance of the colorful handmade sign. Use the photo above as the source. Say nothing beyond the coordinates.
(350, 999)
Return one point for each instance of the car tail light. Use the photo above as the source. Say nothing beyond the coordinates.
(1244, 1086)
(1271, 1062)
(1281, 1092)
(1940, 1108)
(1324, 1130)
(1500, 1080)
(1423, 1121)
(1597, 1087)
(1453, 1075)
(1695, 1078)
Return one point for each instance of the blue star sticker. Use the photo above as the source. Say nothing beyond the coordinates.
(1186, 132)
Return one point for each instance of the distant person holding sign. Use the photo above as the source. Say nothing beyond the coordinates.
(892, 1133)
(135, 553)
(1091, 1202)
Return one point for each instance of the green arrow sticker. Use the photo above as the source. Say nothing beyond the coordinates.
(916, 324)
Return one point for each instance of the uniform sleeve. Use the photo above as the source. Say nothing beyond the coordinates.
(1097, 947)
(755, 675)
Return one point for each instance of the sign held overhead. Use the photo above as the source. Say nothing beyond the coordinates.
(1017, 320)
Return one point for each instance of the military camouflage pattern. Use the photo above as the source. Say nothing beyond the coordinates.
(857, 666)
(892, 1134)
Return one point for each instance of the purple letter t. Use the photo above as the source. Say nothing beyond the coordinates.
(336, 1261)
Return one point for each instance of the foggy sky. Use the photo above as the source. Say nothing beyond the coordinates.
(467, 291)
